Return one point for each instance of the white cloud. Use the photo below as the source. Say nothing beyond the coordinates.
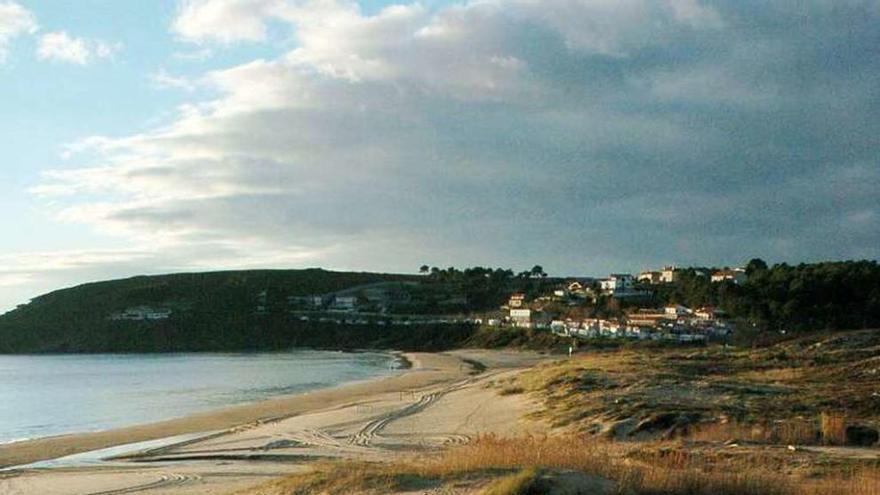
(625, 132)
(199, 54)
(27, 275)
(162, 79)
(104, 49)
(59, 46)
(224, 21)
(15, 21)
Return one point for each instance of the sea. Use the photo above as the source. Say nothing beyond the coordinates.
(47, 395)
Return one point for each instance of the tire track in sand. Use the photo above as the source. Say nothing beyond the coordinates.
(365, 436)
(165, 481)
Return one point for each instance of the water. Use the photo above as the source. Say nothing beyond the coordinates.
(51, 395)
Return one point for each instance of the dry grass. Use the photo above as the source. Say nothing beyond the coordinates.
(859, 483)
(666, 475)
(782, 394)
(493, 453)
(524, 482)
(339, 478)
(773, 375)
(511, 390)
(515, 464)
(785, 432)
(830, 429)
(833, 427)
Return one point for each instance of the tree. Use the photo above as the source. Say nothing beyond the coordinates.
(424, 269)
(755, 265)
(537, 271)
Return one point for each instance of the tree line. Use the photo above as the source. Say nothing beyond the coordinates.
(807, 296)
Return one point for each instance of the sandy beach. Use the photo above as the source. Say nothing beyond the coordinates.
(442, 400)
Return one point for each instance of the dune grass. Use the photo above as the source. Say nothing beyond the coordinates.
(828, 429)
(525, 482)
(505, 466)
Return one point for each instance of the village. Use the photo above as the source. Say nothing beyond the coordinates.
(558, 308)
(670, 323)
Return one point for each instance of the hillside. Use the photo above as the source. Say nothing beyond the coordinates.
(209, 311)
(269, 310)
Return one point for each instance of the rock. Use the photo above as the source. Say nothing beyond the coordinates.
(655, 422)
(619, 429)
(862, 436)
(670, 424)
(792, 448)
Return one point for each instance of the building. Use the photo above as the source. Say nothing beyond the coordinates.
(709, 313)
(516, 300)
(646, 317)
(311, 302)
(344, 303)
(668, 274)
(676, 311)
(576, 287)
(521, 317)
(142, 313)
(736, 275)
(616, 282)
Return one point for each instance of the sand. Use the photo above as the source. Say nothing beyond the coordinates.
(437, 403)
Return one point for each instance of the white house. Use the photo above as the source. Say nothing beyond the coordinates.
(345, 303)
(142, 313)
(676, 311)
(516, 300)
(668, 275)
(521, 317)
(616, 282)
(736, 275)
(709, 313)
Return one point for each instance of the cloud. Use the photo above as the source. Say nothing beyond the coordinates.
(15, 21)
(585, 136)
(161, 79)
(223, 21)
(61, 47)
(27, 275)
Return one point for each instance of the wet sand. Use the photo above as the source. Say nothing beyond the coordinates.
(426, 369)
(440, 402)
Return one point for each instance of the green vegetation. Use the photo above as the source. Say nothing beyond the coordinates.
(472, 289)
(251, 310)
(817, 296)
(211, 311)
(219, 312)
(521, 338)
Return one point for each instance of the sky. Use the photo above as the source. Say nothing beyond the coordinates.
(587, 136)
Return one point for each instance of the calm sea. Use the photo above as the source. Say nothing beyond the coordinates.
(50, 395)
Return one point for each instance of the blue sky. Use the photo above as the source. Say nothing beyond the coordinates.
(585, 135)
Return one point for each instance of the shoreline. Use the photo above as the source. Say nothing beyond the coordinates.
(418, 370)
